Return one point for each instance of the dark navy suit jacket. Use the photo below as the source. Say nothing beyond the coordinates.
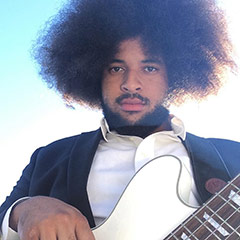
(61, 169)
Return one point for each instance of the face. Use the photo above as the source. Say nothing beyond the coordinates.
(134, 84)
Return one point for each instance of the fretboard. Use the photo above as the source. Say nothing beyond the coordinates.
(219, 218)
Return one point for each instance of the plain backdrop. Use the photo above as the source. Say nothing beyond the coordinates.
(31, 115)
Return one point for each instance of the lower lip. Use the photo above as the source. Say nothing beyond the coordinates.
(132, 107)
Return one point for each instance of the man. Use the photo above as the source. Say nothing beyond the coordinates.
(132, 59)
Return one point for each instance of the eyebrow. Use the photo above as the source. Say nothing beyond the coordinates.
(116, 61)
(157, 61)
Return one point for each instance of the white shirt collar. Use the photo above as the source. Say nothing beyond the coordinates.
(177, 125)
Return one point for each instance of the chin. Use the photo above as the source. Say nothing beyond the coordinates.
(131, 117)
(118, 119)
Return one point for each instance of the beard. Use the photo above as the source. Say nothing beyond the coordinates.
(142, 128)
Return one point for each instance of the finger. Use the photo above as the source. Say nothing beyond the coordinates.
(31, 234)
(66, 233)
(66, 236)
(84, 232)
(48, 234)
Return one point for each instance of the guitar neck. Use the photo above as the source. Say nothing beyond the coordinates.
(217, 219)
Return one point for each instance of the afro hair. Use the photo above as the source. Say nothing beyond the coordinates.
(190, 35)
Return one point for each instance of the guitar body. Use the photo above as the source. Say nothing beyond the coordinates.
(153, 204)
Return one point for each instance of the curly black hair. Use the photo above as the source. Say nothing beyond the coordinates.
(190, 35)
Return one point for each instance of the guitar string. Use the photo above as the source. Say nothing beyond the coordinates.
(172, 236)
(173, 233)
(192, 216)
(225, 203)
(225, 221)
(238, 210)
(185, 236)
(235, 232)
(190, 232)
(232, 184)
(209, 229)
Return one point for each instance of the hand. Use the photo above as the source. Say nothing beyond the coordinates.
(45, 218)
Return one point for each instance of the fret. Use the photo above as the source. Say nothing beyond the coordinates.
(183, 232)
(234, 220)
(232, 223)
(229, 222)
(235, 235)
(218, 219)
(213, 223)
(171, 236)
(216, 225)
(230, 204)
(224, 210)
(190, 232)
(223, 220)
(236, 181)
(237, 188)
(185, 237)
(199, 230)
(233, 185)
(185, 229)
(234, 197)
(207, 226)
(235, 215)
(216, 202)
(202, 229)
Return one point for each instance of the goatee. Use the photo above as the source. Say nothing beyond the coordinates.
(142, 128)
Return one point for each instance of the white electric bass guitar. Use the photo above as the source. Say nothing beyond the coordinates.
(155, 203)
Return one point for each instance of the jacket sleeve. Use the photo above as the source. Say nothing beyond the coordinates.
(22, 187)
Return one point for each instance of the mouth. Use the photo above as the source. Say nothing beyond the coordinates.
(132, 105)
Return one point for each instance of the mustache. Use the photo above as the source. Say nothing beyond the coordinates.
(132, 95)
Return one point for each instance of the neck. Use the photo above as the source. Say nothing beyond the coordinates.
(157, 120)
(143, 131)
(165, 126)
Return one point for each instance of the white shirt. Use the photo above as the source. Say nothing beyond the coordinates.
(117, 159)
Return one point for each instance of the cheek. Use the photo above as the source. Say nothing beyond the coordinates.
(109, 92)
(157, 89)
(105, 87)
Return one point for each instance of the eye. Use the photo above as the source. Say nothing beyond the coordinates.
(115, 69)
(150, 69)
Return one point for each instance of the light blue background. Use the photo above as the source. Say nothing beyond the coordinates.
(31, 115)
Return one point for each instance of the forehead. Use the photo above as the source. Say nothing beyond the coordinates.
(130, 45)
(133, 50)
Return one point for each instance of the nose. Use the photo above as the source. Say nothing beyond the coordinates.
(131, 83)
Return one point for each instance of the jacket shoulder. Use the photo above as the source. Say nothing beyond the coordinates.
(66, 145)
(227, 150)
(218, 142)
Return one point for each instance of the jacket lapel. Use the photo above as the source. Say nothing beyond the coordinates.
(78, 170)
(206, 163)
(205, 159)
